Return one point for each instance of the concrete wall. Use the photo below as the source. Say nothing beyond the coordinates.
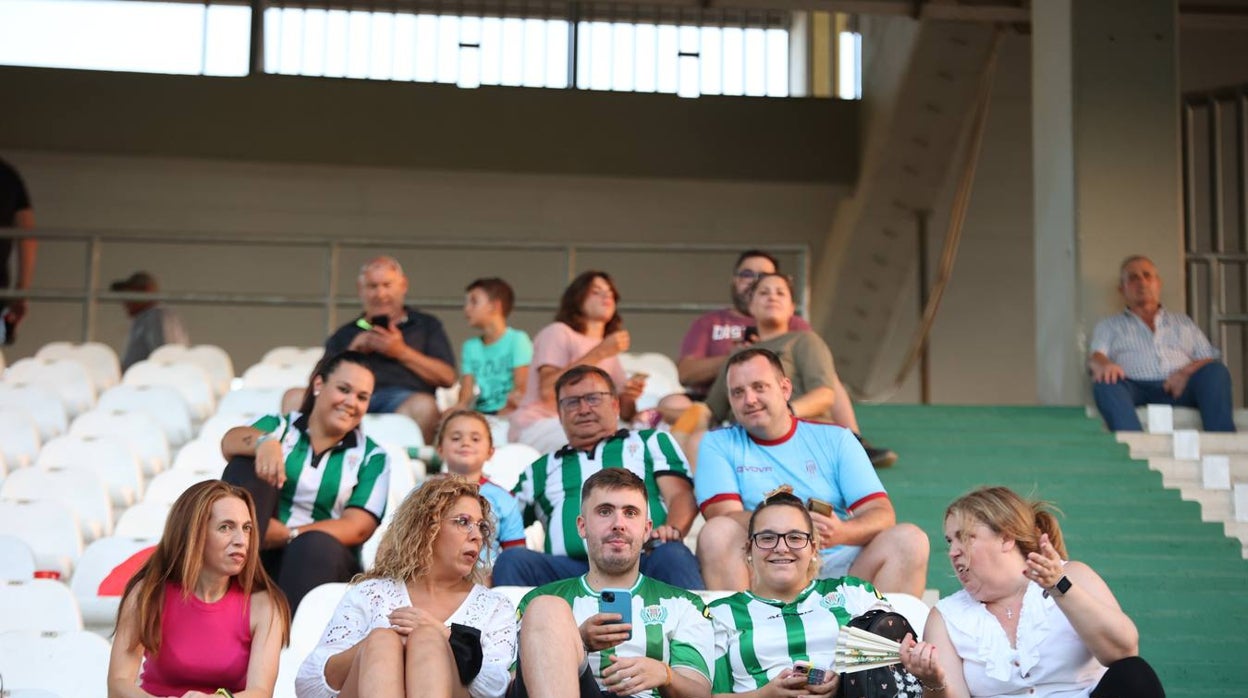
(180, 195)
(983, 343)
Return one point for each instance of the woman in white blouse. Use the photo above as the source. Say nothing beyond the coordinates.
(1027, 621)
(418, 623)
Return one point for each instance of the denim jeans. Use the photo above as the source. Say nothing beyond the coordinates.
(1209, 390)
(672, 563)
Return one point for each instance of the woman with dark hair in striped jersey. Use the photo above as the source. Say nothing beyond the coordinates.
(320, 485)
(786, 615)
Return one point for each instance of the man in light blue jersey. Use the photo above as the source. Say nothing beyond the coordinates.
(826, 466)
(1149, 355)
(568, 648)
(549, 490)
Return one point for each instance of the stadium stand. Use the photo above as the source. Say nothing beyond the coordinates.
(41, 605)
(19, 438)
(137, 429)
(100, 359)
(108, 456)
(50, 528)
(191, 381)
(68, 379)
(250, 401)
(202, 457)
(17, 560)
(99, 613)
(40, 403)
(78, 487)
(163, 404)
(69, 664)
(279, 376)
(211, 358)
(145, 520)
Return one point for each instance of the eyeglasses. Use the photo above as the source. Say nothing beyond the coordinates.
(568, 404)
(748, 274)
(795, 540)
(465, 524)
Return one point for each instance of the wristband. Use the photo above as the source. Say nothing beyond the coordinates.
(292, 535)
(933, 689)
(669, 675)
(266, 437)
(224, 692)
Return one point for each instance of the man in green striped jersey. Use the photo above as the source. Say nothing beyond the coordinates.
(549, 490)
(569, 648)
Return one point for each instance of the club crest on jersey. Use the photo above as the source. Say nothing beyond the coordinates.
(653, 615)
(811, 467)
(832, 599)
(632, 449)
(352, 461)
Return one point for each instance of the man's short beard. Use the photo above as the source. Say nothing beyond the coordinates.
(740, 301)
(615, 566)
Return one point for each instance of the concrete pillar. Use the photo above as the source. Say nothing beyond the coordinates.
(1105, 132)
(814, 44)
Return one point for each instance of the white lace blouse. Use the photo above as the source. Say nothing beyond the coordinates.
(1048, 659)
(367, 606)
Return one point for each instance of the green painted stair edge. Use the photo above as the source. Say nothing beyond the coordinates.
(1181, 580)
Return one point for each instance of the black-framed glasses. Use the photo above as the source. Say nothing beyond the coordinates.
(568, 404)
(466, 523)
(767, 540)
(748, 274)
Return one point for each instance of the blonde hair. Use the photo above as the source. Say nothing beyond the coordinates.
(1008, 514)
(406, 549)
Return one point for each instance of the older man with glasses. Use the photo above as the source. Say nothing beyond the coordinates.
(549, 490)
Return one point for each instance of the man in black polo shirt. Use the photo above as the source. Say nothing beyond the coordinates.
(15, 212)
(411, 355)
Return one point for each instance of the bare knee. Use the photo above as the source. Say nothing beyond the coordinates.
(292, 400)
(909, 542)
(721, 541)
(423, 409)
(546, 613)
(377, 643)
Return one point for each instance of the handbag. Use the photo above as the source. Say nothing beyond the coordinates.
(885, 682)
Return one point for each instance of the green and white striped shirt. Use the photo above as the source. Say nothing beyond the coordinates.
(355, 472)
(670, 624)
(757, 638)
(549, 490)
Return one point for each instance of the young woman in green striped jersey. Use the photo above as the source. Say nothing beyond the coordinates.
(786, 615)
(319, 484)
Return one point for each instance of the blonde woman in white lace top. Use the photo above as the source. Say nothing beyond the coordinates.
(418, 623)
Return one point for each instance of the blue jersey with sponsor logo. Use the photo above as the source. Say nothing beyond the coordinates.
(823, 461)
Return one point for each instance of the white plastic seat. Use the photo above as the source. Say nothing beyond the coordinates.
(42, 605)
(166, 487)
(191, 381)
(72, 664)
(143, 521)
(397, 429)
(279, 376)
(19, 438)
(97, 561)
(293, 355)
(40, 403)
(251, 401)
(213, 359)
(402, 481)
(163, 404)
(201, 457)
(68, 378)
(49, 527)
(306, 628)
(76, 486)
(100, 359)
(109, 456)
(17, 560)
(508, 462)
(216, 425)
(138, 429)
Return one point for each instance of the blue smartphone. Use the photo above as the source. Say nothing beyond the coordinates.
(617, 601)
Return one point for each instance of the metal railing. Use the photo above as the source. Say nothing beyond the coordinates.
(336, 293)
(1215, 218)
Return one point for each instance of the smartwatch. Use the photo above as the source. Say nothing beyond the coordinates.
(1063, 585)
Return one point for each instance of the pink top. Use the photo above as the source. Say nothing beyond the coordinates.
(556, 345)
(204, 646)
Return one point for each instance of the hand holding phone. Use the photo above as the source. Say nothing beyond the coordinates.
(617, 601)
(820, 507)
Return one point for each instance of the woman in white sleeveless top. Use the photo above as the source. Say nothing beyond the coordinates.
(1027, 621)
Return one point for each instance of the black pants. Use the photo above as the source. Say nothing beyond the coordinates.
(312, 559)
(1129, 678)
(586, 681)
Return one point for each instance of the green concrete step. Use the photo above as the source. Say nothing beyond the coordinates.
(1182, 581)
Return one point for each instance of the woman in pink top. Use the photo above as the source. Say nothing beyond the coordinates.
(201, 614)
(587, 330)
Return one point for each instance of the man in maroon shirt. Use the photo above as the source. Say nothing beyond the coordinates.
(715, 335)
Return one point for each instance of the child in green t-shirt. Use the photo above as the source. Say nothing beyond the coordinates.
(495, 365)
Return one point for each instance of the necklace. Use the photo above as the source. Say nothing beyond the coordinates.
(1009, 612)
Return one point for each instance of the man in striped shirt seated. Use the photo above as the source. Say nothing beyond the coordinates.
(571, 646)
(549, 490)
(1149, 355)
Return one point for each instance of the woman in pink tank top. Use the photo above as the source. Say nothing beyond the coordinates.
(201, 616)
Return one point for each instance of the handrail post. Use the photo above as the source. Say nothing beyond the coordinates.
(574, 40)
(255, 62)
(90, 304)
(331, 288)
